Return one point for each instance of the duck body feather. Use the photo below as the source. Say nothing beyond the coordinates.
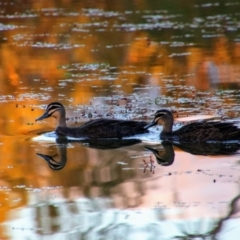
(104, 128)
(204, 131)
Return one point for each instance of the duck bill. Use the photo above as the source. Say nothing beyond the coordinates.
(45, 115)
(150, 125)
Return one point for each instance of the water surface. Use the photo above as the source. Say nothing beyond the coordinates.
(124, 61)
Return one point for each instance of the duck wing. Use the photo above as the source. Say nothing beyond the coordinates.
(208, 131)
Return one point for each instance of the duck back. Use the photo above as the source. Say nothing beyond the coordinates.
(207, 131)
(104, 128)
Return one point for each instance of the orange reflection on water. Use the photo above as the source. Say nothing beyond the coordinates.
(129, 58)
(190, 188)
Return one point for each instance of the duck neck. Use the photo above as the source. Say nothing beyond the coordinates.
(167, 128)
(61, 118)
(62, 122)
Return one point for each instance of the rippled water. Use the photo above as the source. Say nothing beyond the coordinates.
(117, 60)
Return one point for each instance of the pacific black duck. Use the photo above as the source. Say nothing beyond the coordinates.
(94, 129)
(202, 131)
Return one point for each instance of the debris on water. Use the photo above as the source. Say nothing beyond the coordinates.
(150, 165)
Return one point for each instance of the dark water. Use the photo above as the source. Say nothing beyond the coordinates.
(119, 60)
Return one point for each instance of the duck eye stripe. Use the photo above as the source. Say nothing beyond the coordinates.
(160, 115)
(51, 111)
(53, 107)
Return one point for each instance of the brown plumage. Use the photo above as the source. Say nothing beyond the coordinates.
(195, 132)
(98, 128)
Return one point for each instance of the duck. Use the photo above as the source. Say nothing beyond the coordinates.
(201, 131)
(93, 129)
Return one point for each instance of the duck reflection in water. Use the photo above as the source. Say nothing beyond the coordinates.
(52, 163)
(164, 153)
(209, 148)
(165, 156)
(92, 143)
